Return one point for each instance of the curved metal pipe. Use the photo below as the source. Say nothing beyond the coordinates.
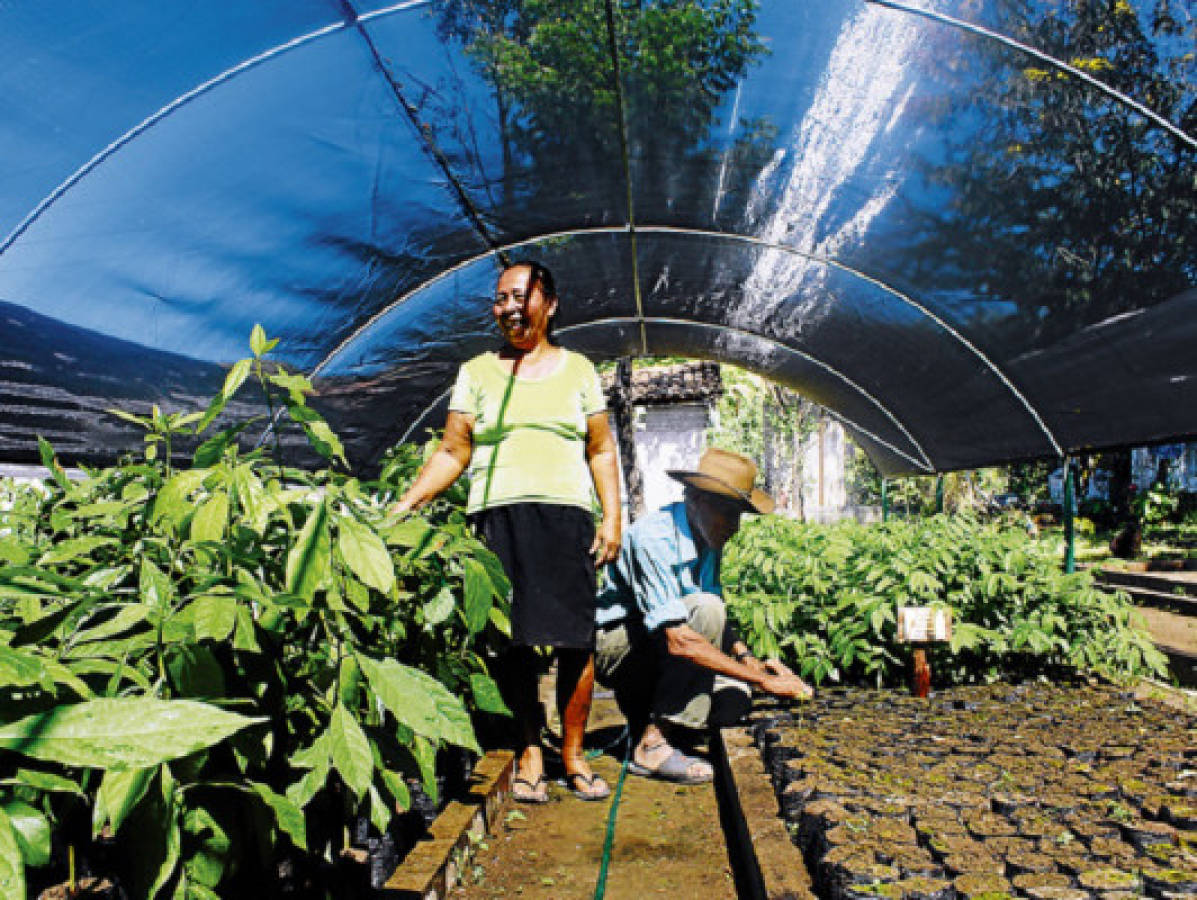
(925, 464)
(1146, 112)
(182, 100)
(720, 235)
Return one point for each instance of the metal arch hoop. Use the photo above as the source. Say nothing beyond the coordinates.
(925, 464)
(182, 100)
(1147, 113)
(719, 235)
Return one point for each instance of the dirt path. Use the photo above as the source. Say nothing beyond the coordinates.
(668, 839)
(1171, 629)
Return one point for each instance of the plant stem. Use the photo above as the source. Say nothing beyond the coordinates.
(278, 447)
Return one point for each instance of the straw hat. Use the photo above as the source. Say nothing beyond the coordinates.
(729, 475)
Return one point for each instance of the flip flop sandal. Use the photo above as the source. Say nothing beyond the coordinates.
(587, 793)
(532, 791)
(675, 768)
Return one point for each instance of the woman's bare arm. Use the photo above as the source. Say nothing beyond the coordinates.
(604, 469)
(444, 466)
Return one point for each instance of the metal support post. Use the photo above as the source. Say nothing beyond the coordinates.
(1069, 516)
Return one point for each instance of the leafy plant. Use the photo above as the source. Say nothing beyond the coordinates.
(825, 599)
(210, 653)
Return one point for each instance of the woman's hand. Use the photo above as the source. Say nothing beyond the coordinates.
(606, 542)
(397, 511)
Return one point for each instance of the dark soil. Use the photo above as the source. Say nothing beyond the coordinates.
(1029, 790)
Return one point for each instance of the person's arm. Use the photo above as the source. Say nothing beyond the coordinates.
(444, 466)
(684, 642)
(740, 653)
(601, 457)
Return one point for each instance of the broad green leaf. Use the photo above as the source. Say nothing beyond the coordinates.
(13, 552)
(308, 563)
(424, 753)
(195, 671)
(156, 590)
(380, 813)
(74, 549)
(486, 694)
(209, 844)
(126, 617)
(244, 637)
(289, 816)
(499, 619)
(318, 762)
(32, 830)
(365, 554)
(119, 793)
(357, 594)
(211, 451)
(500, 584)
(213, 617)
(350, 750)
(47, 782)
(50, 461)
(397, 787)
(257, 340)
(21, 669)
(121, 732)
(410, 532)
(440, 607)
(210, 519)
(173, 501)
(62, 675)
(420, 702)
(12, 866)
(320, 435)
(478, 593)
(232, 383)
(296, 385)
(156, 822)
(117, 669)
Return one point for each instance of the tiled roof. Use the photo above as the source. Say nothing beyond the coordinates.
(691, 382)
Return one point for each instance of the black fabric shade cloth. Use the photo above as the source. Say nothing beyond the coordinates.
(968, 229)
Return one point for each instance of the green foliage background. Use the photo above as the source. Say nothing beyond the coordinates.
(825, 600)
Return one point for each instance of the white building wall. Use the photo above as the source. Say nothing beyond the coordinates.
(824, 487)
(668, 437)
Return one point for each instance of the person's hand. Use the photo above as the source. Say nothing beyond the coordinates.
(606, 542)
(790, 687)
(775, 666)
(395, 513)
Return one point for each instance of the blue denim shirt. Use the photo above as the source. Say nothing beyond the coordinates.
(658, 564)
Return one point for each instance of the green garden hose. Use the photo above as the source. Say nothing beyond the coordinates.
(600, 888)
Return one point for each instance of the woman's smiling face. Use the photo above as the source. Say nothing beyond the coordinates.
(523, 315)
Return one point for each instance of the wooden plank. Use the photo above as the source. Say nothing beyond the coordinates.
(434, 865)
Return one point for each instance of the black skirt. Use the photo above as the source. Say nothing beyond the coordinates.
(545, 551)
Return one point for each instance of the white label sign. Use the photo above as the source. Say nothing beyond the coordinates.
(921, 624)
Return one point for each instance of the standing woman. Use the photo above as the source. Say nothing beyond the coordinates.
(531, 424)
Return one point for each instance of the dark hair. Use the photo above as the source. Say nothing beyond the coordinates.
(539, 274)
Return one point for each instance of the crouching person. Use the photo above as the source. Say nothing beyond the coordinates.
(664, 644)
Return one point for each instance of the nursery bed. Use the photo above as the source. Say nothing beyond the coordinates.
(1044, 791)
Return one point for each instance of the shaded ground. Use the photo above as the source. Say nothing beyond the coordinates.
(668, 840)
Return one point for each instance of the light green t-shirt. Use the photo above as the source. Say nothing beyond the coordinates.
(529, 433)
